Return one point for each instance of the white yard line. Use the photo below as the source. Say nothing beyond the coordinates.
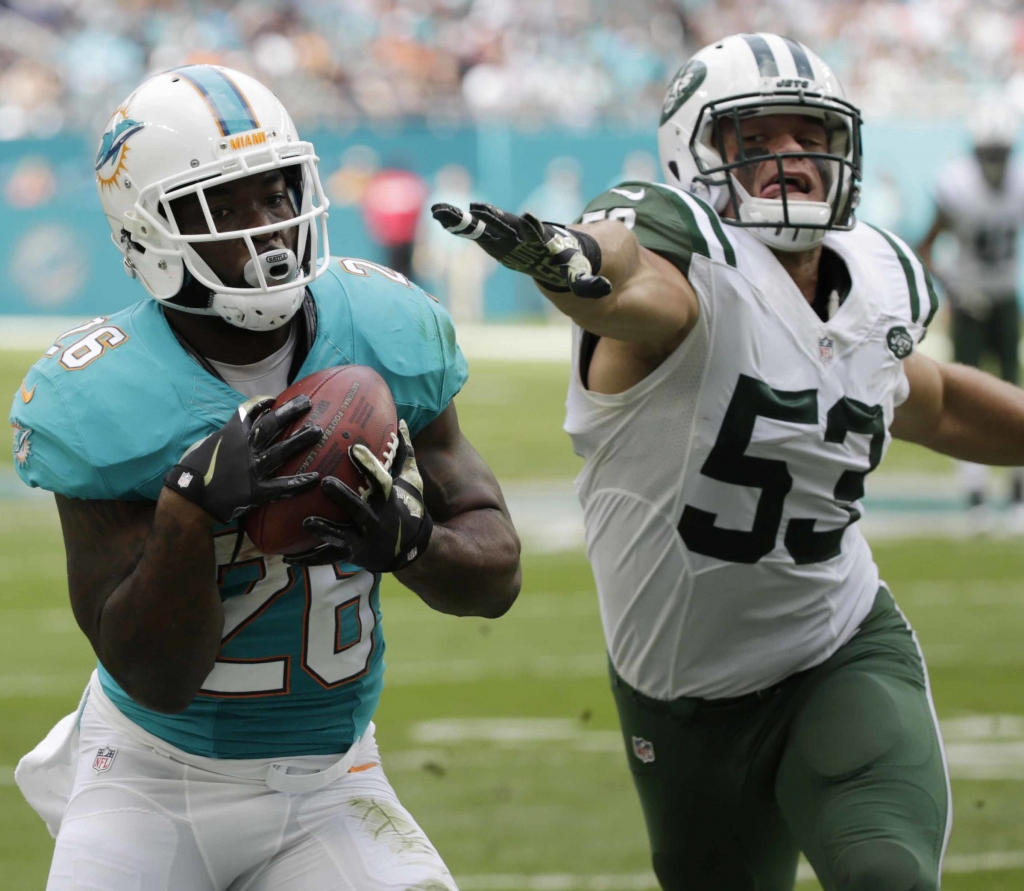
(640, 881)
(21, 686)
(507, 343)
(978, 747)
(993, 861)
(454, 671)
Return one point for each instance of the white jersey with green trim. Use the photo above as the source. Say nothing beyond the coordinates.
(721, 494)
(986, 223)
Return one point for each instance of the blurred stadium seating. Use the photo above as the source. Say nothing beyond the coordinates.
(475, 96)
(576, 63)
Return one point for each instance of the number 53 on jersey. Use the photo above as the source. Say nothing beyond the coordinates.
(728, 462)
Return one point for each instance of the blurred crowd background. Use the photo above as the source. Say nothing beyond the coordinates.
(575, 63)
(528, 104)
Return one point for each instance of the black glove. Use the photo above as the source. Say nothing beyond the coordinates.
(390, 526)
(229, 471)
(560, 259)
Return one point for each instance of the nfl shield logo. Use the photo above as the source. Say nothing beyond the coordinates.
(643, 749)
(826, 348)
(104, 758)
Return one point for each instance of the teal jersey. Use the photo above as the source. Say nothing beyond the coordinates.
(113, 405)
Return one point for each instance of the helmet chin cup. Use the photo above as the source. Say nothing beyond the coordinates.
(275, 266)
(760, 213)
(258, 311)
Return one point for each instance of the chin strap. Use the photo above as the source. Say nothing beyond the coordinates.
(192, 295)
(307, 334)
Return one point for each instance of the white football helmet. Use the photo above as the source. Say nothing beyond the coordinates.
(750, 75)
(181, 133)
(993, 124)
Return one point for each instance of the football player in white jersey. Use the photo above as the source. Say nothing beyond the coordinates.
(979, 199)
(744, 350)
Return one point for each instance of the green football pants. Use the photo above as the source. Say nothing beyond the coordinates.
(843, 762)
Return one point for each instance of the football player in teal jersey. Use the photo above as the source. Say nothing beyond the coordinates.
(226, 741)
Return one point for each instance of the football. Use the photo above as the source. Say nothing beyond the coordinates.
(351, 404)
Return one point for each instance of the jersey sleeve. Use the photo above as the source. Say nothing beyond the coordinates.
(407, 336)
(50, 451)
(914, 296)
(665, 220)
(109, 427)
(451, 372)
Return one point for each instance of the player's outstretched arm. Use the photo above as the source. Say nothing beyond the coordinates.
(597, 273)
(962, 412)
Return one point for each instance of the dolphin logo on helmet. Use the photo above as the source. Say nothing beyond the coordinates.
(110, 159)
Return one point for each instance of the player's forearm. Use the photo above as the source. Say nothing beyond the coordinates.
(981, 418)
(159, 631)
(650, 299)
(471, 566)
(620, 263)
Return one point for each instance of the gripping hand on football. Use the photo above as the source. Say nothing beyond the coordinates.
(390, 525)
(560, 259)
(228, 472)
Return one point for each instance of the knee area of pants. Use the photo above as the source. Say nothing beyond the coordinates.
(880, 865)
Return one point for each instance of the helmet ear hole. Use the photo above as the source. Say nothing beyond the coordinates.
(674, 167)
(126, 238)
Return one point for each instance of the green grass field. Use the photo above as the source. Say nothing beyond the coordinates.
(501, 736)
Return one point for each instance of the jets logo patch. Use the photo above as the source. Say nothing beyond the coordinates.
(643, 749)
(683, 86)
(900, 342)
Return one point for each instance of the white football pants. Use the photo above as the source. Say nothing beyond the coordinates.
(145, 816)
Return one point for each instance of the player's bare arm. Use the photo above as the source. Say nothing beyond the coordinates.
(142, 576)
(471, 565)
(961, 411)
(651, 304)
(143, 589)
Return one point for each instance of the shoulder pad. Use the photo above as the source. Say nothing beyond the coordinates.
(665, 220)
(919, 300)
(378, 317)
(106, 411)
